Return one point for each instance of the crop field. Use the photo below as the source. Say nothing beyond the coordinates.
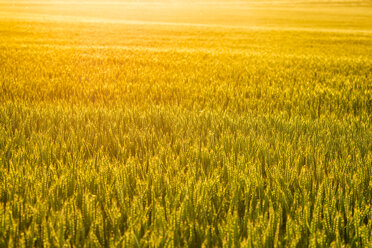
(186, 124)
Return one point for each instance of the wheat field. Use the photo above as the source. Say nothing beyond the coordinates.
(185, 124)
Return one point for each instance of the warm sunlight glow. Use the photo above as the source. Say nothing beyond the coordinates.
(186, 123)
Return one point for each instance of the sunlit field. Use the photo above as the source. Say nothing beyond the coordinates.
(185, 124)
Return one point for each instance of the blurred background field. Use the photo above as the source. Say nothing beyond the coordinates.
(185, 124)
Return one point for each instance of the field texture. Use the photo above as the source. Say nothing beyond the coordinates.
(125, 124)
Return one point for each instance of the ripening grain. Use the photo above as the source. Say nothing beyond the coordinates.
(186, 125)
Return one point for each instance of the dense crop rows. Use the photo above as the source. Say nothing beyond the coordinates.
(115, 134)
